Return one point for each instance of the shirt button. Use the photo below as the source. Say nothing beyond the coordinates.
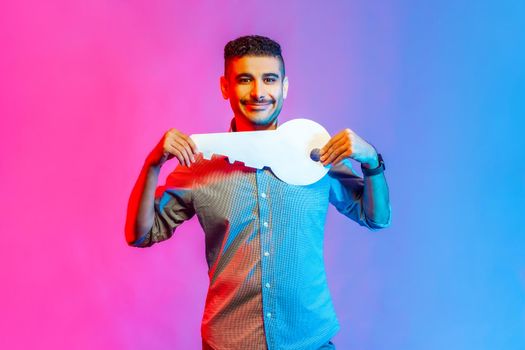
(263, 195)
(266, 253)
(269, 314)
(267, 285)
(265, 224)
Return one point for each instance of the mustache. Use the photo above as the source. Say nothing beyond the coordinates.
(257, 102)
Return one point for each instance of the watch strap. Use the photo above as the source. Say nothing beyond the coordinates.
(379, 169)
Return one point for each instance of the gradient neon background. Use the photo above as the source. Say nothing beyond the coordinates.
(87, 88)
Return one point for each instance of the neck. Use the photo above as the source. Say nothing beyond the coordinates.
(242, 124)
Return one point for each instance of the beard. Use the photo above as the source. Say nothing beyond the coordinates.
(263, 120)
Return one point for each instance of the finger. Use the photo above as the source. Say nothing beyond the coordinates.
(176, 153)
(185, 148)
(337, 152)
(329, 156)
(192, 144)
(329, 144)
(341, 157)
(182, 149)
(341, 136)
(326, 147)
(333, 147)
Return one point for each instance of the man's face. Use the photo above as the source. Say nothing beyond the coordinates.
(256, 89)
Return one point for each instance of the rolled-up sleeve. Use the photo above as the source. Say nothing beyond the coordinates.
(173, 205)
(346, 195)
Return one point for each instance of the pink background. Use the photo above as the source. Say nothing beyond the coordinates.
(87, 88)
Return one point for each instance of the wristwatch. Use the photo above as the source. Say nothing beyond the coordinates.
(378, 170)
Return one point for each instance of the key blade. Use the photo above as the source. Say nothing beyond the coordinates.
(248, 147)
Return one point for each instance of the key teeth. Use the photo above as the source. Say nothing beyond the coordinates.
(252, 165)
(231, 160)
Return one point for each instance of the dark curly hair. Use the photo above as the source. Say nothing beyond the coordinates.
(252, 45)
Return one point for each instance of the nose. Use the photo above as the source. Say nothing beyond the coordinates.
(257, 92)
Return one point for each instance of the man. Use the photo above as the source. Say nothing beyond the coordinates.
(263, 237)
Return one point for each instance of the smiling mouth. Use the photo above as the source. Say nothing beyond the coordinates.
(259, 105)
(258, 109)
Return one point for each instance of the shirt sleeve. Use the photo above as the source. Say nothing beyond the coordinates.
(173, 205)
(346, 194)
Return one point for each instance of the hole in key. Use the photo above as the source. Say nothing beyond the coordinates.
(315, 154)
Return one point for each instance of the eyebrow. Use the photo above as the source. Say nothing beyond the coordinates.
(248, 75)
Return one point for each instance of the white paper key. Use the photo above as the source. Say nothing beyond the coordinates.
(291, 151)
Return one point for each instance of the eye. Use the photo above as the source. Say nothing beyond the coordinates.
(270, 80)
(244, 80)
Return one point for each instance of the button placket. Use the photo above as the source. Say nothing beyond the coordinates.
(265, 237)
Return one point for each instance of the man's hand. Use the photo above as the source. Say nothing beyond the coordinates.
(347, 144)
(173, 144)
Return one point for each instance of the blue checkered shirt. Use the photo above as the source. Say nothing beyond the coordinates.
(264, 249)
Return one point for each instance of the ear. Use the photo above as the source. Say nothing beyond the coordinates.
(285, 87)
(224, 87)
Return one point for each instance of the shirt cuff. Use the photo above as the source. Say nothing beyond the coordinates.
(373, 225)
